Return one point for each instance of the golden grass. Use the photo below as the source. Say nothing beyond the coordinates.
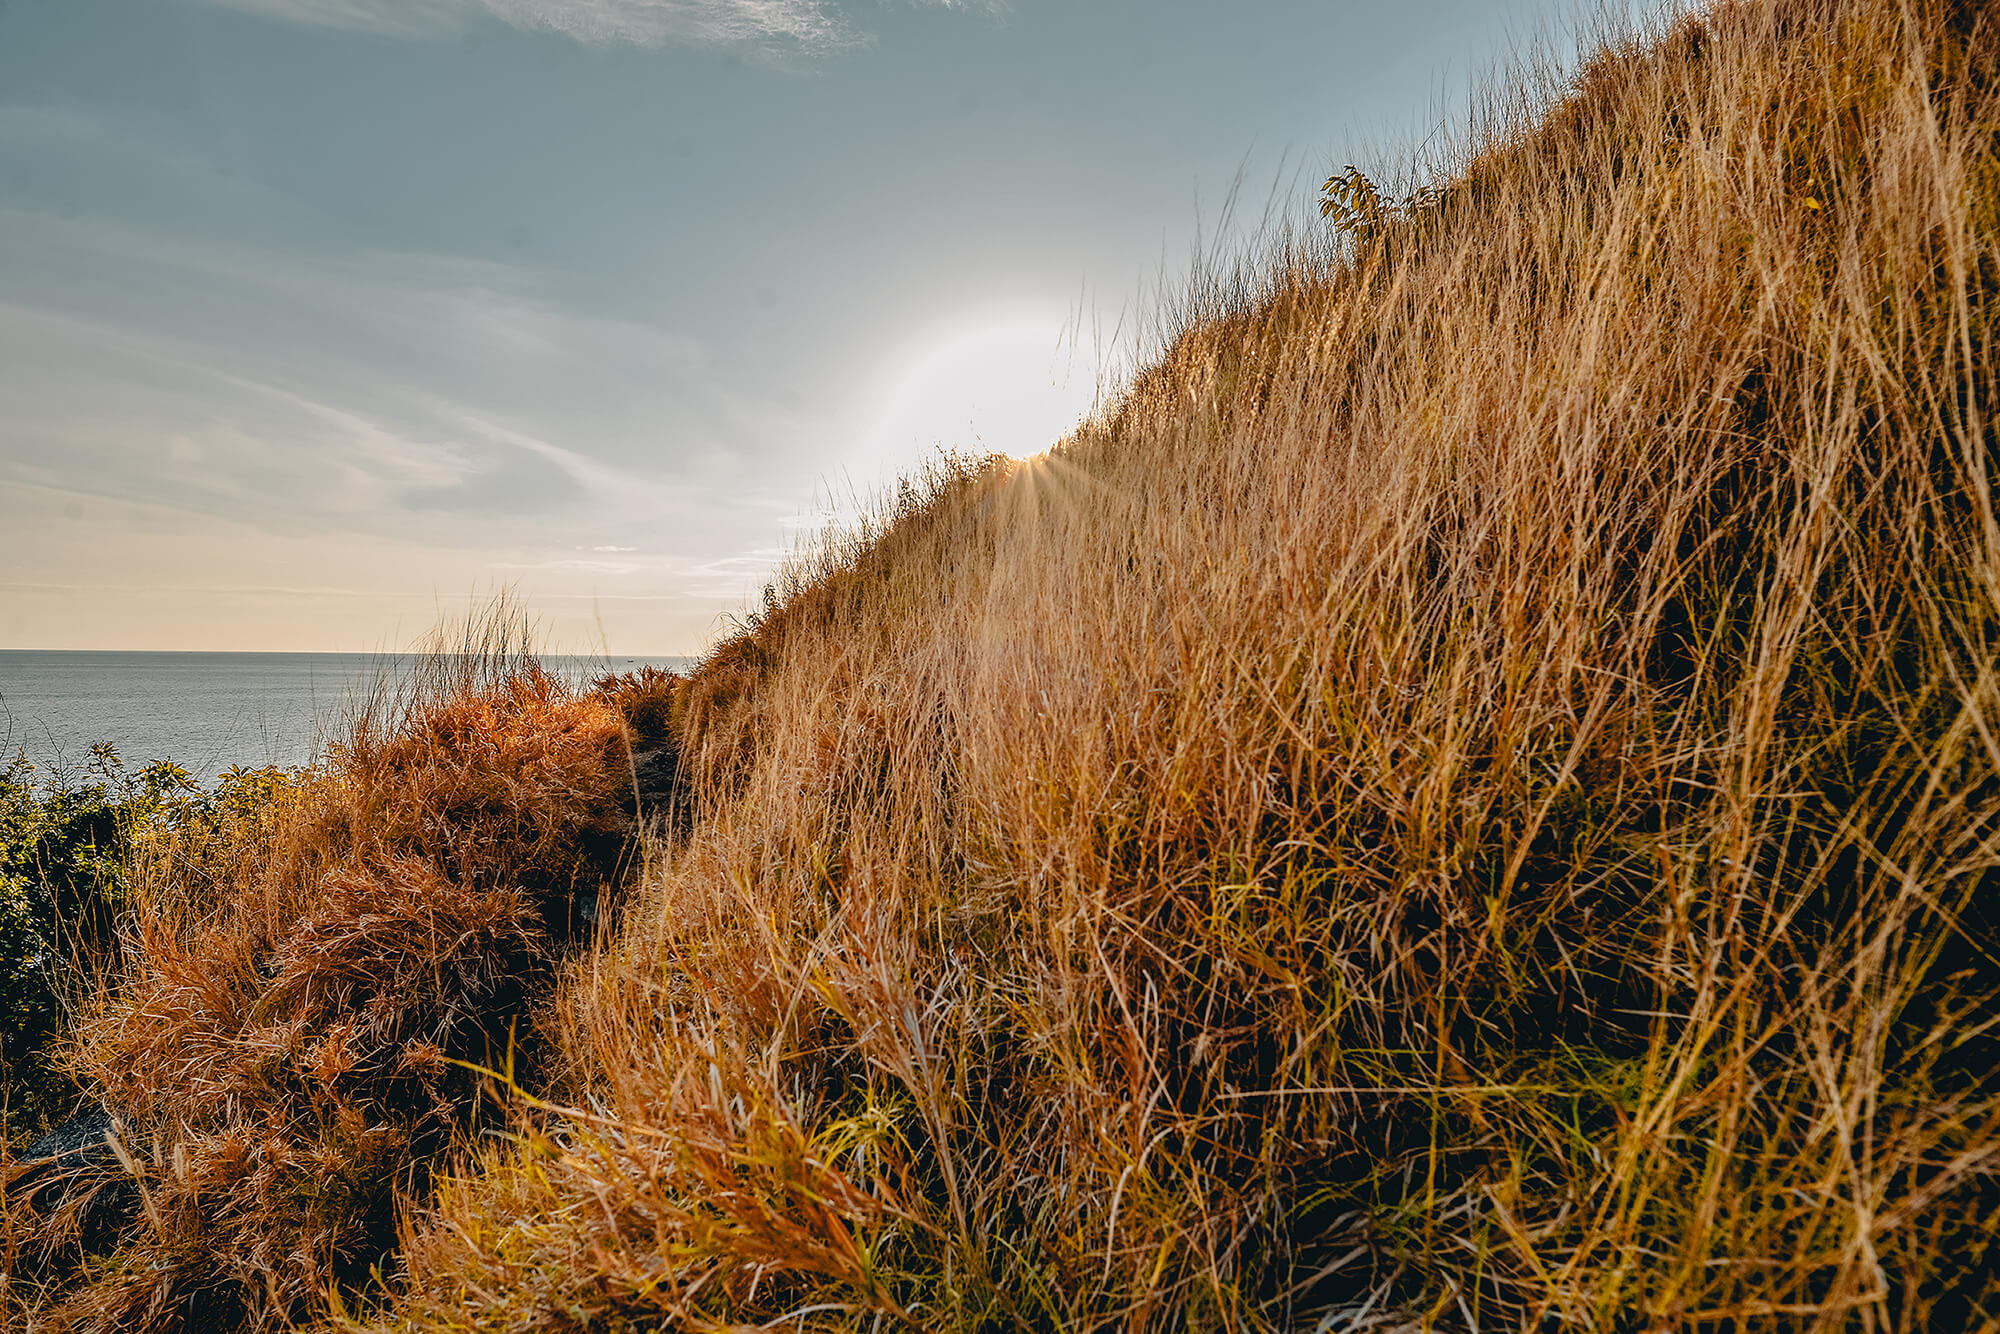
(1469, 799)
(290, 1048)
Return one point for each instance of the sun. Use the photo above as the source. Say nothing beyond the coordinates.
(1007, 384)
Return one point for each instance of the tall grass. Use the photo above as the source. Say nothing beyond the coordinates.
(1470, 798)
(308, 991)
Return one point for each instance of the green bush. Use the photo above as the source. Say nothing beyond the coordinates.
(66, 845)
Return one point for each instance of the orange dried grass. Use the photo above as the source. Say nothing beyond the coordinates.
(1468, 800)
(290, 1046)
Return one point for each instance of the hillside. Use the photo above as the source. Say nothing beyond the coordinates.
(1468, 798)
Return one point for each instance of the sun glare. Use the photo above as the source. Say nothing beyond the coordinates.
(1008, 386)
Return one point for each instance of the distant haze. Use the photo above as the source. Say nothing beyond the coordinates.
(321, 317)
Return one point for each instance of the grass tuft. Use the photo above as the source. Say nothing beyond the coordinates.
(294, 1041)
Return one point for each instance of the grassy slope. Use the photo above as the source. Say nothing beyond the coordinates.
(1471, 797)
(1474, 794)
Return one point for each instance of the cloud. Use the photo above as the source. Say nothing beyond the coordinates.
(804, 24)
(583, 566)
(385, 420)
(810, 25)
(365, 393)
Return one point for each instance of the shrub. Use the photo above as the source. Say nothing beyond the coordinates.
(310, 993)
(67, 841)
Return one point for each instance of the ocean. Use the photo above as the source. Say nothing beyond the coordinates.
(204, 711)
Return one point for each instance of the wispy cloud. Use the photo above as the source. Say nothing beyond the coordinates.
(406, 421)
(804, 24)
(814, 26)
(376, 393)
(580, 566)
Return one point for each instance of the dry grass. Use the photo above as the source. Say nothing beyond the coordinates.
(1470, 799)
(288, 1049)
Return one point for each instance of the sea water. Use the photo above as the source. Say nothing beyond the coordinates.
(203, 711)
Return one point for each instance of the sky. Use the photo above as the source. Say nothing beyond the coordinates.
(321, 320)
